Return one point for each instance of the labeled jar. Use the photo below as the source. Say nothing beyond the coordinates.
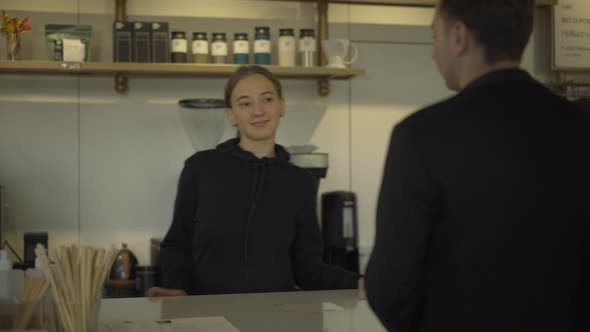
(262, 46)
(179, 47)
(286, 48)
(219, 48)
(241, 49)
(200, 47)
(307, 47)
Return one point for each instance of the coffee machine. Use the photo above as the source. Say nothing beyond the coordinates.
(340, 229)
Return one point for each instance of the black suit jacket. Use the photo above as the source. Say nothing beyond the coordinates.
(483, 219)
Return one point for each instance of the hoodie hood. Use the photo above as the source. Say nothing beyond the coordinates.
(232, 147)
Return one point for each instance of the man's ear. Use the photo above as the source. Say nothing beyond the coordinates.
(461, 38)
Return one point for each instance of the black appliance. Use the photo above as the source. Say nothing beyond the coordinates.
(340, 229)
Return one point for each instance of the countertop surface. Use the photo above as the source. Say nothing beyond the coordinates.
(321, 311)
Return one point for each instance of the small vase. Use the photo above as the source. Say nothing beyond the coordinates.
(13, 46)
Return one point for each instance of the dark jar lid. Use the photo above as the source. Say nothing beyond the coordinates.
(306, 33)
(240, 36)
(219, 36)
(286, 32)
(178, 35)
(199, 36)
(262, 30)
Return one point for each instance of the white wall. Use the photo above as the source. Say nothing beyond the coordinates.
(39, 156)
(84, 163)
(391, 91)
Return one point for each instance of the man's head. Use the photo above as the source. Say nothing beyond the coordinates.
(470, 36)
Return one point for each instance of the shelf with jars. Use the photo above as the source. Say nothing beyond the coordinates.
(154, 50)
(122, 70)
(313, 65)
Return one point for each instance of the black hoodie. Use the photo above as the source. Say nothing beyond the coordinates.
(243, 224)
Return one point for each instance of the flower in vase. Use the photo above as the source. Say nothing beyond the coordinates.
(9, 25)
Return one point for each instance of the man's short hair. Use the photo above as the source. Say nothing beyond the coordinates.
(501, 27)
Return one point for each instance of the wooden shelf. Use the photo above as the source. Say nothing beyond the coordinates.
(167, 69)
(411, 3)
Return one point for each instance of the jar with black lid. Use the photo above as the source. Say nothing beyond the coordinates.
(241, 49)
(262, 46)
(286, 48)
(219, 48)
(307, 47)
(179, 47)
(200, 47)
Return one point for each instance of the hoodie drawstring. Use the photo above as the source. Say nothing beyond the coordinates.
(232, 147)
(257, 192)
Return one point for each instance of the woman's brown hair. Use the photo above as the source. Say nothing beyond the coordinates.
(246, 71)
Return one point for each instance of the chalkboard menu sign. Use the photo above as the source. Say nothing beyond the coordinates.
(571, 35)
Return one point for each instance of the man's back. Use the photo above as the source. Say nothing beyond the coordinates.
(507, 168)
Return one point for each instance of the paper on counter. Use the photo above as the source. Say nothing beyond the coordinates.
(197, 324)
(329, 306)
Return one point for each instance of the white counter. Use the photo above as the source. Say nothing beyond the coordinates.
(322, 311)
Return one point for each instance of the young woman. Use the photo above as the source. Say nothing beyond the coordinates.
(244, 219)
